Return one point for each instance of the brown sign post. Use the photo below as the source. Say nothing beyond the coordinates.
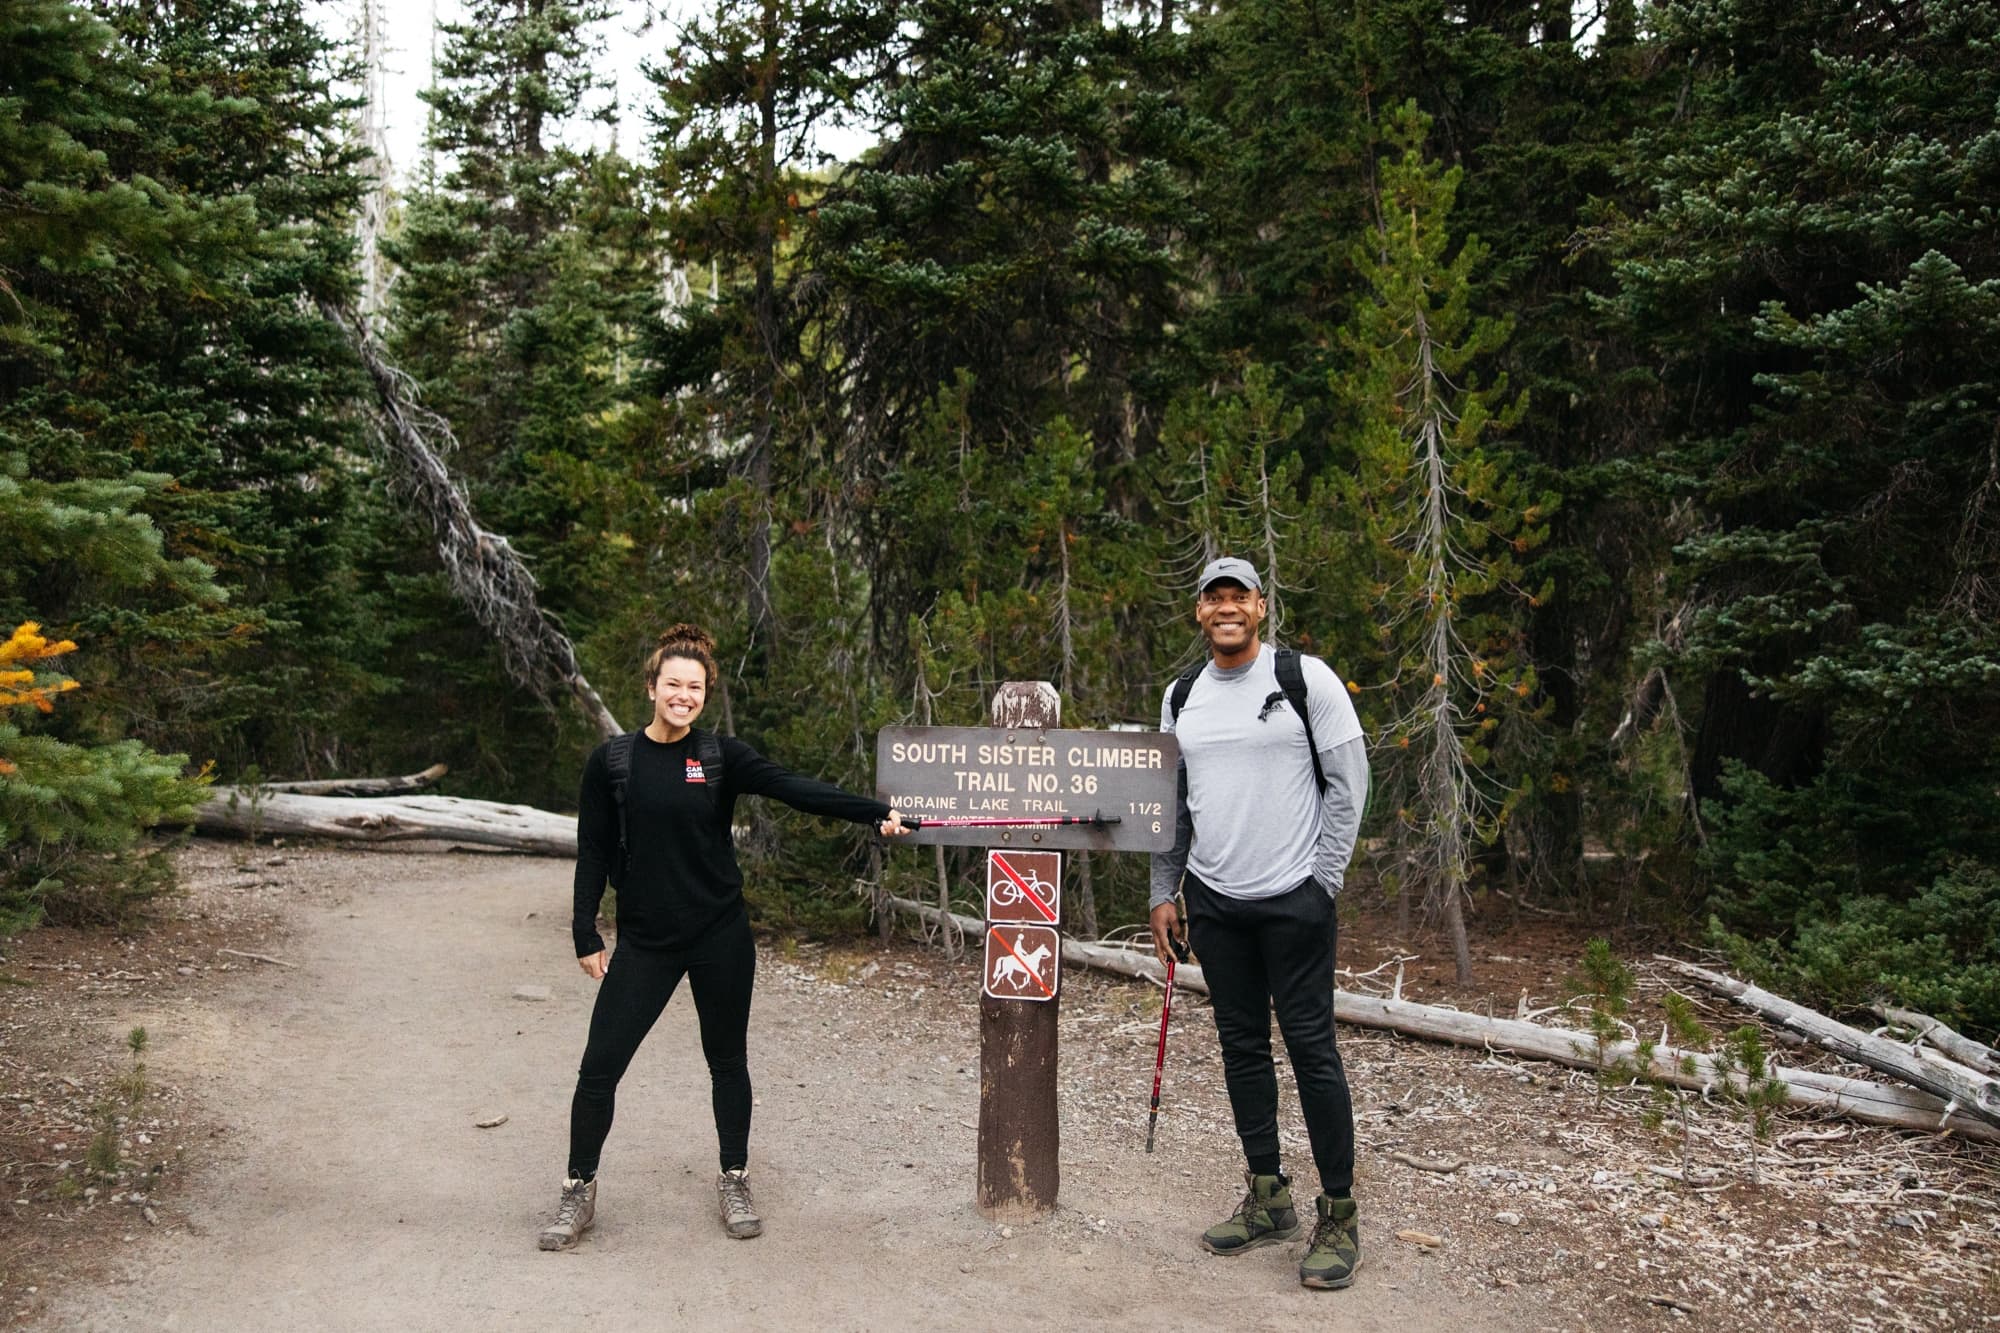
(1023, 788)
(1020, 1137)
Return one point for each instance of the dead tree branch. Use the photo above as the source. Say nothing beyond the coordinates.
(360, 786)
(1854, 1098)
(486, 573)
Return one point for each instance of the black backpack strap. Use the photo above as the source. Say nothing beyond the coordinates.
(708, 749)
(618, 759)
(1292, 680)
(1183, 684)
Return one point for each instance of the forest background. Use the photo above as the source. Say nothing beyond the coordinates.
(1608, 394)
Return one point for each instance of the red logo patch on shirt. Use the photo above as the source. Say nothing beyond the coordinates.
(694, 773)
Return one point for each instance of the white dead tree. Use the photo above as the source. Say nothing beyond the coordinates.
(1445, 520)
(374, 218)
(486, 573)
(1440, 860)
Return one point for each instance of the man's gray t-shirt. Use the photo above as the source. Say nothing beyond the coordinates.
(1257, 813)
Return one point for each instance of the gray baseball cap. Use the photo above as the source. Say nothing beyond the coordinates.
(1228, 567)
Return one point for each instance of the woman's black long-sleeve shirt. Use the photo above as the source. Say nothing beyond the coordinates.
(682, 879)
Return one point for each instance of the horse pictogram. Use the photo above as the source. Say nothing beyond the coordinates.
(1021, 962)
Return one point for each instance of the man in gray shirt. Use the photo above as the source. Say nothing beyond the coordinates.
(1263, 839)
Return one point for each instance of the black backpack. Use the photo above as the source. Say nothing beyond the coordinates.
(1291, 680)
(619, 760)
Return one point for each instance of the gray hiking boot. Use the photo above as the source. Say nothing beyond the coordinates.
(1265, 1217)
(573, 1215)
(1335, 1249)
(739, 1214)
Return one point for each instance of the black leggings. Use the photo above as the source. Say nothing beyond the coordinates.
(721, 967)
(1264, 953)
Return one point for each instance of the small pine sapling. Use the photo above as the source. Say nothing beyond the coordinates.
(103, 1158)
(133, 1084)
(1684, 1036)
(1605, 984)
(1750, 1080)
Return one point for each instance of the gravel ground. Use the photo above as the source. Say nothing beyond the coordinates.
(306, 1149)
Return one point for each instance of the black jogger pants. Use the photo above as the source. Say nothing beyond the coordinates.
(721, 968)
(1264, 953)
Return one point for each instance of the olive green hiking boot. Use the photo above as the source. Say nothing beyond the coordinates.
(1334, 1252)
(573, 1215)
(1265, 1217)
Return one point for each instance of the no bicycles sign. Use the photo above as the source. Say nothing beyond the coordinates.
(1024, 886)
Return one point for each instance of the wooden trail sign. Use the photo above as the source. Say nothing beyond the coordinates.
(1020, 1136)
(1022, 788)
(1115, 788)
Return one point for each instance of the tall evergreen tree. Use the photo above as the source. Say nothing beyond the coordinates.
(1815, 278)
(744, 91)
(1021, 222)
(1447, 519)
(240, 390)
(524, 275)
(90, 238)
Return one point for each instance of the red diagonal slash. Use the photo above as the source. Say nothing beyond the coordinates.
(995, 930)
(1022, 885)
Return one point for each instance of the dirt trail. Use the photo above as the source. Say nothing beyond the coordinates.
(355, 1192)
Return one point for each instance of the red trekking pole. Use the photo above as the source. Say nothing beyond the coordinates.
(1160, 1058)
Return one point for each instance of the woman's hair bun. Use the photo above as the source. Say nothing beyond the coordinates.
(687, 636)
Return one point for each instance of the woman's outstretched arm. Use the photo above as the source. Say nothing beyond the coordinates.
(596, 849)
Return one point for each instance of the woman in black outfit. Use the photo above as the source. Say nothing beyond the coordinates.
(680, 912)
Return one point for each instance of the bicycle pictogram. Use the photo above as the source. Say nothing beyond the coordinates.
(1006, 893)
(1024, 886)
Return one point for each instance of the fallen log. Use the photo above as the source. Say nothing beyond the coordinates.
(1976, 1093)
(254, 813)
(1974, 1055)
(1854, 1098)
(360, 786)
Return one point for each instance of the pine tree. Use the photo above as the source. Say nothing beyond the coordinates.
(241, 391)
(1019, 223)
(524, 278)
(1816, 284)
(96, 237)
(1447, 521)
(70, 814)
(742, 94)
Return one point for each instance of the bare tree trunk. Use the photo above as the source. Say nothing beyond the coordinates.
(360, 786)
(373, 219)
(1454, 922)
(1977, 1093)
(1273, 585)
(954, 940)
(485, 572)
(1086, 898)
(1857, 1099)
(255, 813)
(1974, 1055)
(769, 355)
(885, 920)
